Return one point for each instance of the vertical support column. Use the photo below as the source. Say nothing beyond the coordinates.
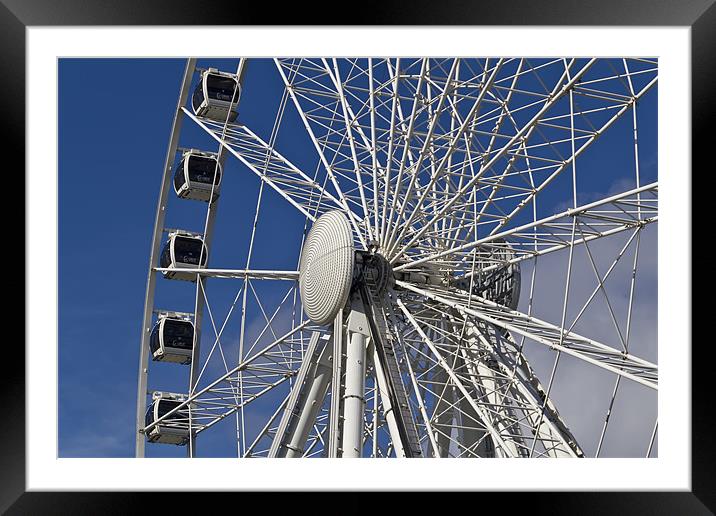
(354, 396)
(154, 257)
(334, 424)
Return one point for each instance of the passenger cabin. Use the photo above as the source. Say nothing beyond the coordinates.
(183, 251)
(197, 176)
(172, 430)
(216, 96)
(172, 340)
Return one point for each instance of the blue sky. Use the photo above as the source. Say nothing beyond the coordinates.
(115, 116)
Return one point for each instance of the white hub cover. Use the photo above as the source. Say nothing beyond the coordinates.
(326, 270)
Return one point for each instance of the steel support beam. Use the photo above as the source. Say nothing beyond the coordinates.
(334, 423)
(406, 441)
(358, 334)
(305, 400)
(311, 403)
(388, 408)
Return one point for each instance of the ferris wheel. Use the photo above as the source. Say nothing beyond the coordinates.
(470, 271)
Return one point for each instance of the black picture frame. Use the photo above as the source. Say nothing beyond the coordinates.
(700, 15)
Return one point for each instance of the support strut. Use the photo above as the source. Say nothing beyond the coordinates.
(409, 444)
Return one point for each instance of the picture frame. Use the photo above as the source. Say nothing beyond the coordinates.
(700, 16)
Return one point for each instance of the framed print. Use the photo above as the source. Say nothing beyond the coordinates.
(429, 233)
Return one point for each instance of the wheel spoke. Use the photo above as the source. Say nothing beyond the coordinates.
(591, 351)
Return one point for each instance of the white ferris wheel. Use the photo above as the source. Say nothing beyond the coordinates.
(468, 276)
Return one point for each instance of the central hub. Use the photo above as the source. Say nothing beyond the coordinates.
(331, 267)
(326, 268)
(373, 271)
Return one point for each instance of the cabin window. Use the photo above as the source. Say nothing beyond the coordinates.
(179, 179)
(189, 250)
(178, 334)
(221, 88)
(202, 169)
(198, 96)
(167, 405)
(166, 258)
(154, 339)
